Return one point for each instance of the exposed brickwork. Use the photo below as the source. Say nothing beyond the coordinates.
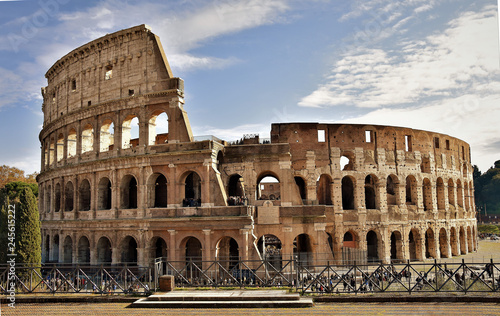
(395, 192)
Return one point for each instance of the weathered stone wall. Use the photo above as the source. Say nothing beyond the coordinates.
(387, 193)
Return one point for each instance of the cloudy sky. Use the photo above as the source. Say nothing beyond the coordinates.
(425, 64)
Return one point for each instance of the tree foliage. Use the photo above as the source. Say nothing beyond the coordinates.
(13, 174)
(27, 222)
(487, 190)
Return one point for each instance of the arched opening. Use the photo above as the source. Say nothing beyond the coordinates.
(67, 250)
(411, 190)
(48, 200)
(451, 192)
(227, 252)
(71, 143)
(414, 244)
(69, 193)
(83, 250)
(55, 249)
(51, 152)
(129, 250)
(301, 185)
(391, 190)
(396, 247)
(60, 147)
(347, 193)
(347, 162)
(107, 136)
(130, 132)
(302, 250)
(443, 243)
(430, 246)
(57, 206)
(466, 195)
(193, 254)
(454, 242)
(128, 190)
(323, 191)
(104, 194)
(235, 187)
(158, 128)
(87, 139)
(349, 240)
(372, 246)
(46, 154)
(192, 190)
(46, 249)
(427, 195)
(469, 240)
(464, 170)
(270, 249)
(104, 251)
(85, 195)
(330, 244)
(441, 203)
(160, 192)
(463, 245)
(159, 248)
(236, 190)
(460, 194)
(268, 187)
(220, 160)
(370, 192)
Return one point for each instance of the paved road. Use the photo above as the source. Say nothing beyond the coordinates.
(349, 309)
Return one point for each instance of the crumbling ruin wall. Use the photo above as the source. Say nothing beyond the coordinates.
(338, 191)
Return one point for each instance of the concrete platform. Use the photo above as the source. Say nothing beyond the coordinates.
(224, 299)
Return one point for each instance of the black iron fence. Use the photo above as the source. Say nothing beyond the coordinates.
(401, 277)
(61, 278)
(407, 277)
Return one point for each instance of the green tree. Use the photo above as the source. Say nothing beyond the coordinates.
(28, 235)
(487, 190)
(27, 230)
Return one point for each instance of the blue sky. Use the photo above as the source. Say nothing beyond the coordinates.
(425, 64)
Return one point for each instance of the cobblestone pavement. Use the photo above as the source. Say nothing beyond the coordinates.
(350, 309)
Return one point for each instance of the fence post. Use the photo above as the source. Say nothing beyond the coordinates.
(491, 266)
(463, 276)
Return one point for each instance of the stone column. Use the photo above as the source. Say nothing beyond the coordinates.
(287, 243)
(173, 248)
(207, 249)
(243, 248)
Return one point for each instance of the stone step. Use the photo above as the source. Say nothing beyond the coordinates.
(144, 303)
(224, 299)
(226, 296)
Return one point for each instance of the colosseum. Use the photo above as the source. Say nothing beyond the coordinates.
(317, 192)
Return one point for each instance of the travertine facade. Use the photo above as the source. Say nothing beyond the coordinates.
(393, 193)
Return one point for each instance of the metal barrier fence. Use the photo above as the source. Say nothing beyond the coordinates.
(402, 277)
(61, 278)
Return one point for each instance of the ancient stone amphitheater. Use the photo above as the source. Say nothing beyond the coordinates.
(338, 192)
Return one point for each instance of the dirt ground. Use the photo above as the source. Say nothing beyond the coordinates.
(487, 250)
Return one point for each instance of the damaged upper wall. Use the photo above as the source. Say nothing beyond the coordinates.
(123, 64)
(445, 150)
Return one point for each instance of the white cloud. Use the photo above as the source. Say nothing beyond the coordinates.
(447, 64)
(469, 117)
(237, 132)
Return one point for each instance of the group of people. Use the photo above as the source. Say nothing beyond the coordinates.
(237, 200)
(190, 202)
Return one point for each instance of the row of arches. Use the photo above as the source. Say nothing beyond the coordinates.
(68, 198)
(226, 249)
(418, 244)
(396, 192)
(70, 143)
